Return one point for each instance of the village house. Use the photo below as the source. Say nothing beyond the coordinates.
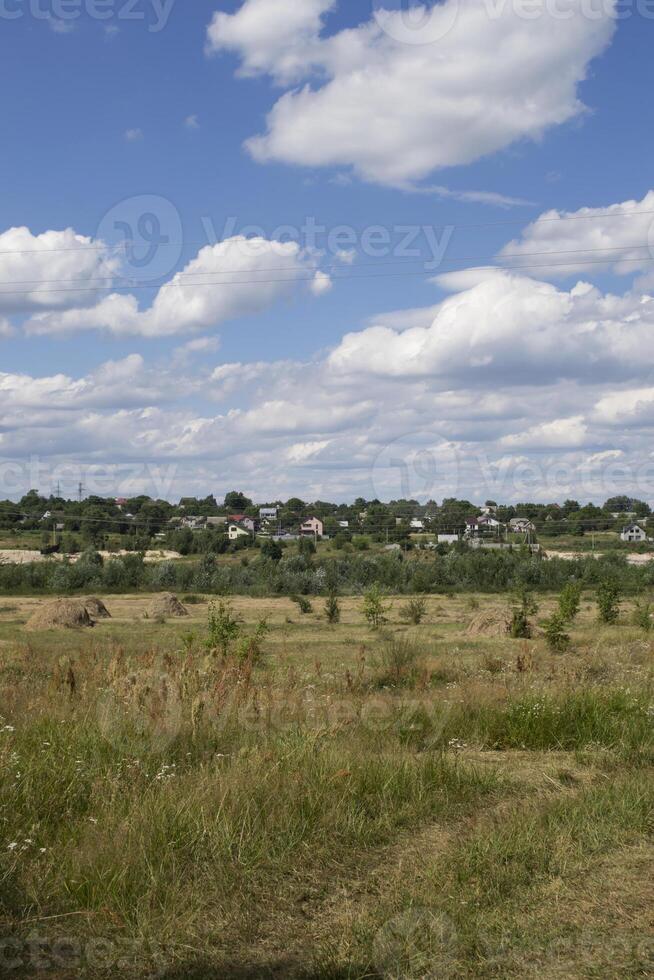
(312, 526)
(521, 525)
(482, 525)
(268, 513)
(235, 531)
(417, 524)
(633, 533)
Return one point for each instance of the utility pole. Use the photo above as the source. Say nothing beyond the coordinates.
(80, 491)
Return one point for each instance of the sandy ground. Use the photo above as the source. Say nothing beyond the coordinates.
(17, 557)
(574, 555)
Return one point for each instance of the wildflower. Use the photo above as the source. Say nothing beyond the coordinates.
(12, 846)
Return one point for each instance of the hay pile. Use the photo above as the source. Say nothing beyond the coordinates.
(165, 606)
(70, 614)
(96, 608)
(492, 622)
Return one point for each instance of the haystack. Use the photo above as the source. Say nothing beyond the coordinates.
(492, 622)
(165, 606)
(67, 614)
(96, 608)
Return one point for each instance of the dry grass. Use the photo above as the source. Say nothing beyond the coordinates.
(217, 817)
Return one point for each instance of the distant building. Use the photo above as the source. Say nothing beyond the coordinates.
(417, 524)
(312, 526)
(344, 524)
(448, 538)
(633, 533)
(268, 513)
(216, 521)
(235, 531)
(521, 525)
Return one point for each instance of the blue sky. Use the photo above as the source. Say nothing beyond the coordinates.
(315, 385)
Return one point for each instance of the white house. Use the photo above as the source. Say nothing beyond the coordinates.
(344, 524)
(313, 526)
(234, 532)
(268, 513)
(448, 538)
(520, 525)
(417, 524)
(632, 532)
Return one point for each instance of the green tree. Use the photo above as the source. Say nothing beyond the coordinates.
(414, 610)
(332, 609)
(643, 616)
(608, 602)
(374, 608)
(570, 601)
(271, 549)
(555, 634)
(236, 502)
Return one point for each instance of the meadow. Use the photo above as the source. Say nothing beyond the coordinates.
(259, 792)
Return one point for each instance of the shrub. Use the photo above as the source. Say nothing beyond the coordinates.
(332, 609)
(643, 616)
(523, 607)
(555, 634)
(224, 629)
(414, 610)
(608, 602)
(303, 604)
(373, 607)
(570, 601)
(399, 656)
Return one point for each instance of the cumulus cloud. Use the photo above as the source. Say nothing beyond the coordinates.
(513, 329)
(237, 277)
(626, 407)
(619, 237)
(54, 270)
(395, 110)
(558, 434)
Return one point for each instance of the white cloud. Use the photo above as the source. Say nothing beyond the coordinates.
(626, 407)
(506, 327)
(53, 270)
(619, 237)
(322, 283)
(559, 434)
(237, 277)
(275, 36)
(397, 111)
(192, 122)
(133, 135)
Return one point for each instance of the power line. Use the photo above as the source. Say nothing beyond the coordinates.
(311, 278)
(334, 266)
(128, 243)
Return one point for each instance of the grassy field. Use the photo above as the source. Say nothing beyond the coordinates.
(325, 801)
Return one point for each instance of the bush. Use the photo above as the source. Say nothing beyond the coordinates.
(302, 603)
(332, 609)
(555, 634)
(523, 607)
(643, 616)
(400, 657)
(608, 602)
(570, 601)
(414, 610)
(373, 607)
